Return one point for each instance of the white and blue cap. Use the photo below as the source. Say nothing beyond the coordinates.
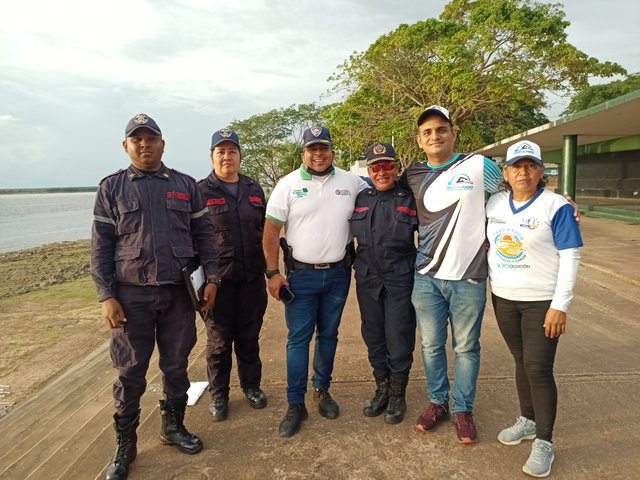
(434, 110)
(524, 149)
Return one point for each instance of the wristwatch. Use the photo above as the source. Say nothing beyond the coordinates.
(216, 281)
(271, 273)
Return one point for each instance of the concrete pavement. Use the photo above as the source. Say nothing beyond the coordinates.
(597, 431)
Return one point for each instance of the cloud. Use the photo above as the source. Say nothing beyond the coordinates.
(68, 87)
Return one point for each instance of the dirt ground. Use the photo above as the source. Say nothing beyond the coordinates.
(49, 315)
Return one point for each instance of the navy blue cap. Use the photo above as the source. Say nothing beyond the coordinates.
(316, 135)
(224, 135)
(141, 120)
(437, 110)
(380, 152)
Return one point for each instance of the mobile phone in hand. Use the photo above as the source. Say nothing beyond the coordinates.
(286, 295)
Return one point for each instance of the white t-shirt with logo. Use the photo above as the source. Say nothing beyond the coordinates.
(527, 242)
(450, 201)
(315, 212)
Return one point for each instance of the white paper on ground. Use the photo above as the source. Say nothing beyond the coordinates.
(196, 389)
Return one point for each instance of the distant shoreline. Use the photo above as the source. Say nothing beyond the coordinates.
(12, 191)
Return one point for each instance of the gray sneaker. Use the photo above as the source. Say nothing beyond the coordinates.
(540, 460)
(523, 429)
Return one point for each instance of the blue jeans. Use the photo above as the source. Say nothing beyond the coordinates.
(320, 296)
(460, 303)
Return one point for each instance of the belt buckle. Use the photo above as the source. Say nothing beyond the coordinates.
(322, 266)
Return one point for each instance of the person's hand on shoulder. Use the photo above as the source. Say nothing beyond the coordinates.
(576, 208)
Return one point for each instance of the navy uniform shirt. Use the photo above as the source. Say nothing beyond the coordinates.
(147, 225)
(238, 223)
(383, 224)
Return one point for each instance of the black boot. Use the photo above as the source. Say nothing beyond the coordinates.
(378, 403)
(126, 450)
(173, 430)
(397, 405)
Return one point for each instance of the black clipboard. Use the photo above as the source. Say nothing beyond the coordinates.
(195, 279)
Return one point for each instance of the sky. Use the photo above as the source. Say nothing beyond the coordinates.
(73, 72)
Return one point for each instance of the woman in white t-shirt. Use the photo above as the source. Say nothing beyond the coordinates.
(533, 264)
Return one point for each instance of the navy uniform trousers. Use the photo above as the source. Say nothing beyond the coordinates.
(155, 314)
(236, 320)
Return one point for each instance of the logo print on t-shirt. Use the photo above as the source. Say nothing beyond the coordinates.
(530, 223)
(509, 245)
(460, 181)
(300, 192)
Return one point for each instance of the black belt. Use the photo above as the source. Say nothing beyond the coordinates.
(318, 266)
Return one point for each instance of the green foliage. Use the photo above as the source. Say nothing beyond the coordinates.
(490, 62)
(271, 142)
(597, 94)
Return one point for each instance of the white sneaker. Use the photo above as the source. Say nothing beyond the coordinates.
(540, 460)
(523, 429)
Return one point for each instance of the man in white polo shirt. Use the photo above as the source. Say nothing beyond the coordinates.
(314, 203)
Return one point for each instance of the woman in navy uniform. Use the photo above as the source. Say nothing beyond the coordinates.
(237, 207)
(147, 221)
(383, 222)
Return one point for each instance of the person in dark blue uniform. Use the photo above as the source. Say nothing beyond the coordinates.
(383, 222)
(237, 207)
(149, 221)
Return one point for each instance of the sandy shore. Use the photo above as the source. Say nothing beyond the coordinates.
(28, 270)
(49, 315)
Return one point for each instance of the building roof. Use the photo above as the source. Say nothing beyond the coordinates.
(616, 118)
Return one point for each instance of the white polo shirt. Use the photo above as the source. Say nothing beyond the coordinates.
(315, 212)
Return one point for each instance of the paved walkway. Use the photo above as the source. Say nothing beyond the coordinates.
(65, 431)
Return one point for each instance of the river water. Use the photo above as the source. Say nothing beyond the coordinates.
(30, 220)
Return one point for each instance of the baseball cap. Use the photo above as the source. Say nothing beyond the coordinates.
(435, 109)
(142, 120)
(316, 135)
(379, 152)
(224, 135)
(521, 150)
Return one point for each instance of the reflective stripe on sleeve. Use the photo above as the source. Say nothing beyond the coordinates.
(98, 218)
(199, 214)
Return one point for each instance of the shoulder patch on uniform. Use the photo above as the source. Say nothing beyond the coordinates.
(181, 173)
(111, 175)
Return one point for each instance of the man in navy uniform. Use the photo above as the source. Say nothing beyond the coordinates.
(384, 222)
(147, 221)
(237, 207)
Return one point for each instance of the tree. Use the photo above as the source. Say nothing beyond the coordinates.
(490, 62)
(597, 94)
(271, 142)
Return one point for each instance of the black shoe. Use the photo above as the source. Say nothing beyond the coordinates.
(378, 403)
(219, 408)
(292, 420)
(397, 405)
(173, 431)
(257, 398)
(327, 406)
(395, 410)
(126, 450)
